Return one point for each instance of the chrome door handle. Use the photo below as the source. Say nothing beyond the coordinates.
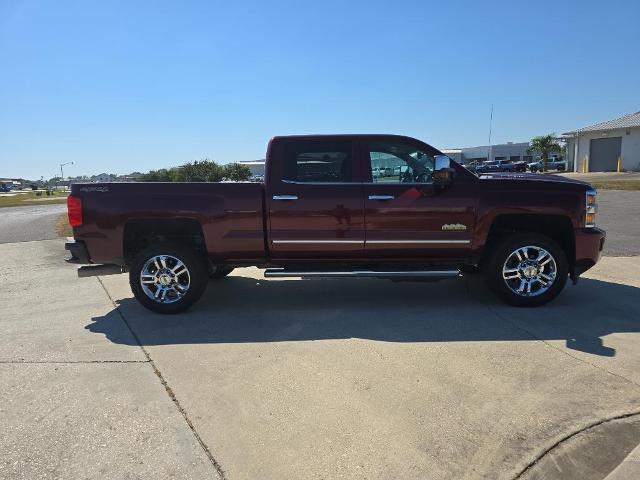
(285, 197)
(381, 197)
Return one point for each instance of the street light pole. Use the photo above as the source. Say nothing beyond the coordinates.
(62, 171)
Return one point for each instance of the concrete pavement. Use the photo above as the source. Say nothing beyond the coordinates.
(306, 379)
(374, 379)
(71, 404)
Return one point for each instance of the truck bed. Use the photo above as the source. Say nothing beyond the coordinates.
(231, 215)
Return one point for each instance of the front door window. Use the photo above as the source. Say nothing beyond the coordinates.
(395, 163)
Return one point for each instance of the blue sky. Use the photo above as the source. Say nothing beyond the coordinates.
(119, 86)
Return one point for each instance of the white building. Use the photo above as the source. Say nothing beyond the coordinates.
(602, 146)
(513, 151)
(454, 154)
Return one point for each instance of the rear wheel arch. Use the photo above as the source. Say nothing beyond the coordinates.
(140, 233)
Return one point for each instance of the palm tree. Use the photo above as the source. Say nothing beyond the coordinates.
(545, 144)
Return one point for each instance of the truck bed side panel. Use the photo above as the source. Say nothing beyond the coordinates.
(230, 215)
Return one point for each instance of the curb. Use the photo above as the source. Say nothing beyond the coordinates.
(629, 469)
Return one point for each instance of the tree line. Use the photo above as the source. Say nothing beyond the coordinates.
(199, 171)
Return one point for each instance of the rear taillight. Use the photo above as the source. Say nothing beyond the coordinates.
(592, 209)
(74, 209)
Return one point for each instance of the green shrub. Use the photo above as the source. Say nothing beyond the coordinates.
(204, 170)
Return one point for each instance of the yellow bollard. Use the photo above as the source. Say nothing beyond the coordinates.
(584, 165)
(619, 164)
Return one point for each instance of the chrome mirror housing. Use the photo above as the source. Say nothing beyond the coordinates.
(442, 172)
(442, 162)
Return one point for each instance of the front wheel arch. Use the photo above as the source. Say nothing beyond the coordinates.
(559, 228)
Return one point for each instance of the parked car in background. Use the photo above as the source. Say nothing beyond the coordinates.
(535, 166)
(552, 164)
(496, 166)
(471, 166)
(559, 164)
(520, 166)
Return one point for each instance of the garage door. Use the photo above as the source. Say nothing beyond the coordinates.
(604, 154)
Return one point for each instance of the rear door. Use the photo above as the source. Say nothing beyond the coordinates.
(405, 215)
(315, 206)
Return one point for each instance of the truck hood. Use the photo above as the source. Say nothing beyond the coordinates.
(532, 177)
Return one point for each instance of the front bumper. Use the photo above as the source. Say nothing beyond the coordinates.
(79, 252)
(589, 245)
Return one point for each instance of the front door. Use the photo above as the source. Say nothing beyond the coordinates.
(405, 214)
(315, 208)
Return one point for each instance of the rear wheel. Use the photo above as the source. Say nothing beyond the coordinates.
(168, 278)
(527, 269)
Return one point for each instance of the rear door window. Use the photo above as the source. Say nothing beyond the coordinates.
(318, 162)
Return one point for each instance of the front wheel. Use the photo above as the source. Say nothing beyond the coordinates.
(527, 269)
(168, 278)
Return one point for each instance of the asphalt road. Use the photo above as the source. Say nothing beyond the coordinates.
(619, 215)
(27, 223)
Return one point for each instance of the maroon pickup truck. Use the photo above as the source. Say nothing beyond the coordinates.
(381, 206)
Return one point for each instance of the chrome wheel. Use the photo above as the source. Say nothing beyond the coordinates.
(165, 279)
(529, 271)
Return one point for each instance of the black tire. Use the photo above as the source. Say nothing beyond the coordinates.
(196, 273)
(499, 255)
(220, 272)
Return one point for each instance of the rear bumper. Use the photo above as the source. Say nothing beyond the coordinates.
(589, 245)
(78, 250)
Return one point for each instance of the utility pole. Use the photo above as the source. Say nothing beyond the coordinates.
(490, 125)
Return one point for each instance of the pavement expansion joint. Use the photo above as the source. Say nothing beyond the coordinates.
(219, 471)
(63, 362)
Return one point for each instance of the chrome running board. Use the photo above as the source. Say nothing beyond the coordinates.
(281, 272)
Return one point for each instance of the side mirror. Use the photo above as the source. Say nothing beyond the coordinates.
(443, 173)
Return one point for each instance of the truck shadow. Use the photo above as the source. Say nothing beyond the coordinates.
(243, 309)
